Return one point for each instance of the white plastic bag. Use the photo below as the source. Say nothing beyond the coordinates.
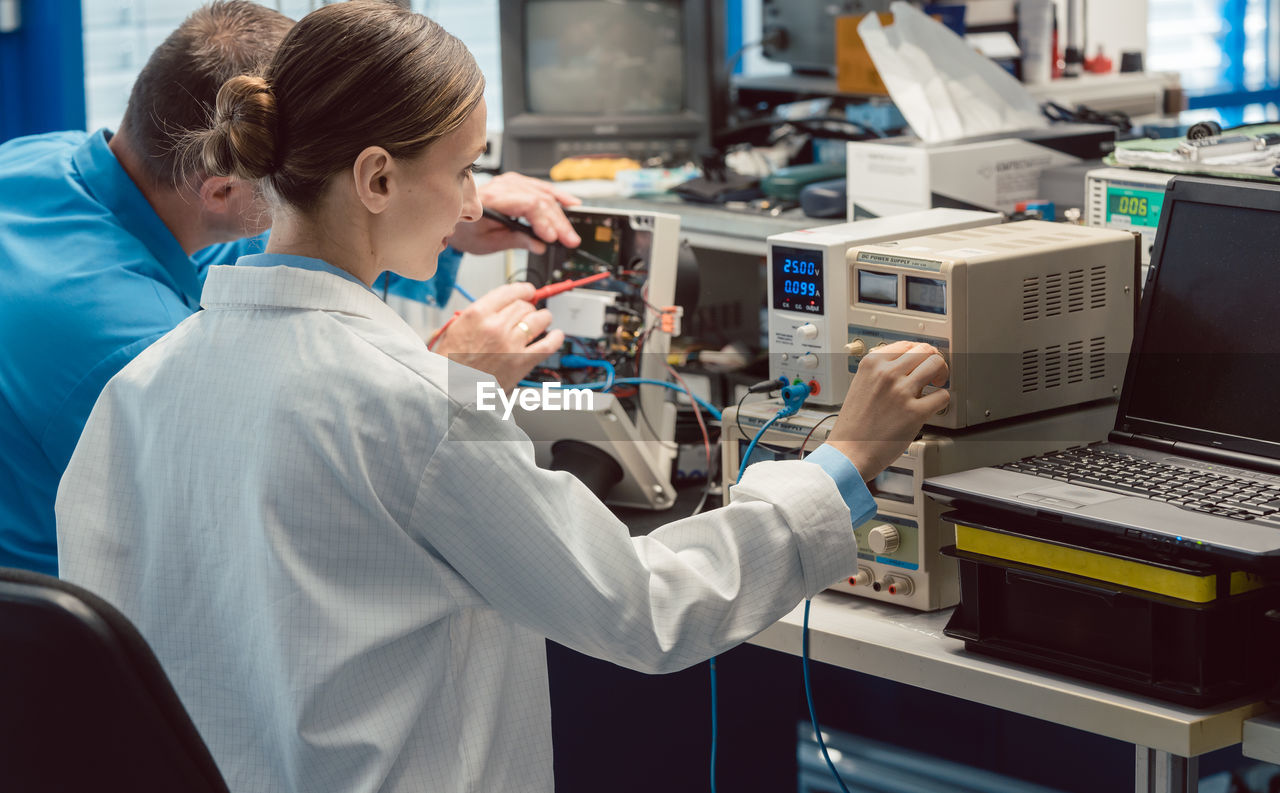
(944, 89)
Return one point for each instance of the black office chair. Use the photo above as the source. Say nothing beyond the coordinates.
(84, 704)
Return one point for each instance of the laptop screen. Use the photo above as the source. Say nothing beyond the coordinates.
(1207, 368)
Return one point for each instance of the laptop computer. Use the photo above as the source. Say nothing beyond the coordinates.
(1194, 458)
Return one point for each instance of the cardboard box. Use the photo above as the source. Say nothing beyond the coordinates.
(855, 72)
(991, 173)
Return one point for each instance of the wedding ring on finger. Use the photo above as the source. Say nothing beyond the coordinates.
(523, 327)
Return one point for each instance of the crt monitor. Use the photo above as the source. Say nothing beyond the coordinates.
(631, 78)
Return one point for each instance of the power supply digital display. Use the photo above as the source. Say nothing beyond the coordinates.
(797, 280)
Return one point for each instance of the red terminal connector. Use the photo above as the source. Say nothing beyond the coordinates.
(669, 321)
(898, 585)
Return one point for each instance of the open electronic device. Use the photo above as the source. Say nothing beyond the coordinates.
(622, 443)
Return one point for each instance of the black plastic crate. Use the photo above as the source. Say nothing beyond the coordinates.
(1195, 654)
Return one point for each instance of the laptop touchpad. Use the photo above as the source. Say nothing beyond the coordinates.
(1068, 496)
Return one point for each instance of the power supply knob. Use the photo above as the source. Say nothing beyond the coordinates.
(807, 331)
(809, 361)
(883, 539)
(857, 348)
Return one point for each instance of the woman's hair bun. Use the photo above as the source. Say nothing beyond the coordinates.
(242, 142)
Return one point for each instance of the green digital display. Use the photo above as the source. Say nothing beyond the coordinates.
(1128, 206)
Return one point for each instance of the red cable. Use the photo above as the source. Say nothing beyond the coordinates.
(821, 421)
(564, 286)
(435, 337)
(697, 413)
(538, 296)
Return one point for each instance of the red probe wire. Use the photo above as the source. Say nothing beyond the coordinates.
(564, 286)
(538, 296)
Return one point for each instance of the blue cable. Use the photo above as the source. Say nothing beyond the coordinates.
(714, 725)
(574, 361)
(808, 696)
(746, 457)
(464, 293)
(606, 385)
(793, 397)
(707, 406)
(566, 386)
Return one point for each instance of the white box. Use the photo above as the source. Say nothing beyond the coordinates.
(581, 312)
(992, 173)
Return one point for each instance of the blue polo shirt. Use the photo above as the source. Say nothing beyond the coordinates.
(89, 276)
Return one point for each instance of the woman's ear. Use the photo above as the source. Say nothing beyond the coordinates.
(217, 194)
(375, 173)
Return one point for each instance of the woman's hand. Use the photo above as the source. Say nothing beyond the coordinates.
(886, 405)
(496, 334)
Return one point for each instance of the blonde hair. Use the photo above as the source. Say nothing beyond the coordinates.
(348, 76)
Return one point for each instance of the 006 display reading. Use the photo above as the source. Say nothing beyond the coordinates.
(1137, 207)
(797, 279)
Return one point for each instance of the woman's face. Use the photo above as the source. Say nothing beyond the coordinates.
(437, 193)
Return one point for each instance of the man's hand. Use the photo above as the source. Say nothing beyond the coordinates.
(885, 407)
(494, 334)
(519, 196)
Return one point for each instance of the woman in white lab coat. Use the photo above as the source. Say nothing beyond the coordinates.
(345, 567)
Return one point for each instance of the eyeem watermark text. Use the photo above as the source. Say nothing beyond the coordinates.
(551, 396)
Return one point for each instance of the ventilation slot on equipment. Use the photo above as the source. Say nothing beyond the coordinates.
(1097, 358)
(1098, 287)
(1030, 371)
(1075, 362)
(1097, 203)
(1030, 299)
(1053, 295)
(1075, 291)
(1053, 366)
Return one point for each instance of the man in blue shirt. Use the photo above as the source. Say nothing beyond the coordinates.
(105, 239)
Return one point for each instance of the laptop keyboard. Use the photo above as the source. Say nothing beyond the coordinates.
(1189, 488)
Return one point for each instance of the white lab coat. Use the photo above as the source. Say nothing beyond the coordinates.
(348, 573)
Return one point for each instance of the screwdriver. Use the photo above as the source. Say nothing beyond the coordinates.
(525, 228)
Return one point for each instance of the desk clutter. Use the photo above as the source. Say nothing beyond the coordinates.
(1146, 583)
